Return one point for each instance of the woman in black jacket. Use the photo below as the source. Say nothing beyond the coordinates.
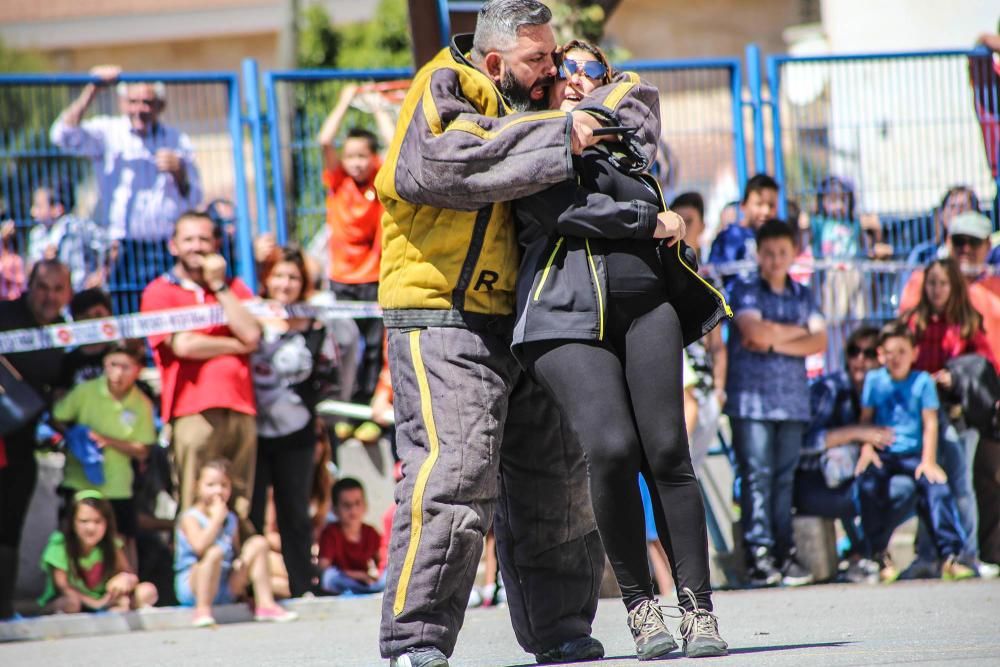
(608, 295)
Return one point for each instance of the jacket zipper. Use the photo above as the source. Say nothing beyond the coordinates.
(600, 296)
(717, 293)
(548, 267)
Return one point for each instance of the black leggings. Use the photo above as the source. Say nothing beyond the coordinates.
(623, 397)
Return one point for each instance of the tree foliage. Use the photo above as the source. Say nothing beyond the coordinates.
(583, 19)
(382, 42)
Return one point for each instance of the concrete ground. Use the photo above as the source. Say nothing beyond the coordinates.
(905, 623)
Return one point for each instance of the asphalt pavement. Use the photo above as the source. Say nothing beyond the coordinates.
(922, 623)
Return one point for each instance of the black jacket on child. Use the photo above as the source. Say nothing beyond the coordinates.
(567, 232)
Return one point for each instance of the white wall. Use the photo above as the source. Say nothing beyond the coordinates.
(903, 130)
(857, 26)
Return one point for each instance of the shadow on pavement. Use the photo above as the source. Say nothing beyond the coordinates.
(732, 651)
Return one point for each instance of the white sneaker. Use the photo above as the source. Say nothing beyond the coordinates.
(989, 570)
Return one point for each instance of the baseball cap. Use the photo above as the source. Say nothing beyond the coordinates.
(971, 223)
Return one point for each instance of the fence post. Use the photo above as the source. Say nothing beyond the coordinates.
(739, 136)
(444, 22)
(756, 106)
(244, 230)
(277, 168)
(251, 91)
(774, 101)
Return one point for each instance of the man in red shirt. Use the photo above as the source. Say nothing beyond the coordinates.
(206, 387)
(354, 221)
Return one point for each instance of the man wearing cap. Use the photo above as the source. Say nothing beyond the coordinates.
(969, 242)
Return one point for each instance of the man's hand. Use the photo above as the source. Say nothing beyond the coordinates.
(263, 246)
(213, 271)
(169, 161)
(878, 437)
(932, 471)
(868, 457)
(669, 226)
(108, 74)
(582, 137)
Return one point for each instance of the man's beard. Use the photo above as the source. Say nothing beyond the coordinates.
(518, 96)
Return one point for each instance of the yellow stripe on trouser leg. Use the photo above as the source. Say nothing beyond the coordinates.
(417, 501)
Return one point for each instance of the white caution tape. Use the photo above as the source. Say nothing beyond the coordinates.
(142, 325)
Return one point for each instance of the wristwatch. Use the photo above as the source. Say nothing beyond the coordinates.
(222, 287)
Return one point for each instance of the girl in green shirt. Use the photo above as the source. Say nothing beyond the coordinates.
(85, 565)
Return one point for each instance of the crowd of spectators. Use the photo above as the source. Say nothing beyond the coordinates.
(901, 429)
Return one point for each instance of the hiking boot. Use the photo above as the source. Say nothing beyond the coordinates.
(700, 630)
(921, 569)
(652, 638)
(954, 570)
(762, 571)
(574, 650)
(422, 656)
(795, 573)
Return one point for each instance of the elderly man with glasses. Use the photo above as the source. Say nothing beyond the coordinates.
(145, 170)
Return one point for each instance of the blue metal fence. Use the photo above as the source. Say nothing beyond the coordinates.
(703, 147)
(900, 128)
(205, 107)
(297, 104)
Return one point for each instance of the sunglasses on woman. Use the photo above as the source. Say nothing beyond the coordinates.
(855, 350)
(591, 69)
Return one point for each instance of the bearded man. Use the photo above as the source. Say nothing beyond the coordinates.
(474, 133)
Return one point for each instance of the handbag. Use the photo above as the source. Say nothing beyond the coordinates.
(20, 404)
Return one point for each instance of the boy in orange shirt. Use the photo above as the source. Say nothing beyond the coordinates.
(354, 219)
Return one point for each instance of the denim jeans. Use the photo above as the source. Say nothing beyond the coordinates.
(767, 453)
(814, 498)
(935, 505)
(333, 580)
(956, 452)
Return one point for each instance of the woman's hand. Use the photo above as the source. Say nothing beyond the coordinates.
(670, 227)
(943, 378)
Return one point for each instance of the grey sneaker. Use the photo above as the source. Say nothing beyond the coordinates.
(652, 638)
(573, 650)
(422, 656)
(700, 630)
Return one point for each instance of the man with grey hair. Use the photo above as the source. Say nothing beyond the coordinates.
(474, 133)
(146, 175)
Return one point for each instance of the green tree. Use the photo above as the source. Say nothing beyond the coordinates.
(584, 19)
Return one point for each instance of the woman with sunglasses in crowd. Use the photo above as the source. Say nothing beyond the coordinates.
(607, 296)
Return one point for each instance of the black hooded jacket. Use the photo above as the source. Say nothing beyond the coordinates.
(569, 230)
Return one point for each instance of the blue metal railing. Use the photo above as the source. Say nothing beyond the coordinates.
(205, 106)
(901, 127)
(291, 135)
